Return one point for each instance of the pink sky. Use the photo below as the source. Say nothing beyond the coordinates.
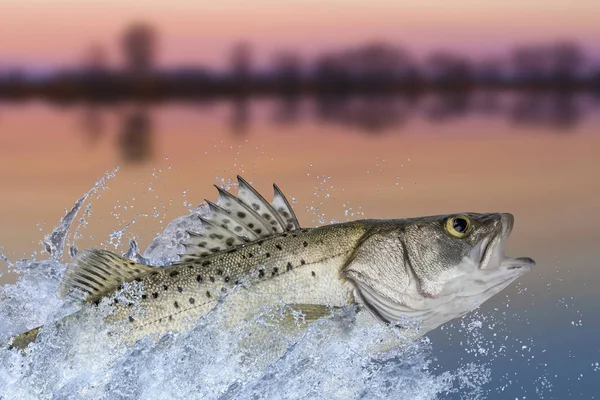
(57, 32)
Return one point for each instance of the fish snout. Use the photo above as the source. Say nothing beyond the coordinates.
(508, 222)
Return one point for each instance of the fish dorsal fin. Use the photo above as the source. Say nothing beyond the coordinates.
(95, 273)
(285, 211)
(251, 197)
(227, 220)
(212, 239)
(243, 212)
(237, 220)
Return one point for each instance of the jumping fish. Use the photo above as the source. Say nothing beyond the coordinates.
(253, 254)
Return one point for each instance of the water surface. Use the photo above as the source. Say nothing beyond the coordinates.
(535, 157)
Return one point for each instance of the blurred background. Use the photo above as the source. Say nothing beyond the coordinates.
(357, 109)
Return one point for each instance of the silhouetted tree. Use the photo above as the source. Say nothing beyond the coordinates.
(241, 61)
(449, 69)
(595, 81)
(139, 47)
(95, 59)
(567, 60)
(530, 63)
(330, 72)
(377, 61)
(489, 71)
(287, 72)
(374, 64)
(287, 66)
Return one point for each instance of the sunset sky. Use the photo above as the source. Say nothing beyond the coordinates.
(51, 33)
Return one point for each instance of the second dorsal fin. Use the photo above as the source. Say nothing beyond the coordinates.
(94, 274)
(236, 220)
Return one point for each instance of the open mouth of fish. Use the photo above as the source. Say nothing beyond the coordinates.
(490, 252)
(487, 272)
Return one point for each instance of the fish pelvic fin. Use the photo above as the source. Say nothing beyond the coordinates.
(95, 273)
(313, 312)
(23, 340)
(238, 220)
(297, 317)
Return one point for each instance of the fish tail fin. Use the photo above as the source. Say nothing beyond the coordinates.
(95, 273)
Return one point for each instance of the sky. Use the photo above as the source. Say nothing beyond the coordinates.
(54, 33)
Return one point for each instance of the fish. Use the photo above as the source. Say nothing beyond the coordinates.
(251, 254)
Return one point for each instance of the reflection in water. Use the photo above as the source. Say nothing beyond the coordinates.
(560, 112)
(287, 111)
(240, 116)
(487, 103)
(370, 115)
(92, 124)
(135, 139)
(374, 114)
(449, 106)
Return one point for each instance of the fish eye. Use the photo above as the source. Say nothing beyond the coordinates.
(458, 226)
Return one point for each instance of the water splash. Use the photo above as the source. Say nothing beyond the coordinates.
(117, 235)
(334, 358)
(54, 242)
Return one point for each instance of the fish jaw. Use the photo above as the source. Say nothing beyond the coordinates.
(489, 253)
(482, 272)
(460, 295)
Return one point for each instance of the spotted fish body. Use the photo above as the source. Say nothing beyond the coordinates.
(253, 255)
(295, 267)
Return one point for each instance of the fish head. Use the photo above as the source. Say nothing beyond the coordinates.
(436, 268)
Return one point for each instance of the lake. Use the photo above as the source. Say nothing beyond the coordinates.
(343, 159)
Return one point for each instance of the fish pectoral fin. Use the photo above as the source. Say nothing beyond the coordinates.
(310, 312)
(95, 273)
(24, 339)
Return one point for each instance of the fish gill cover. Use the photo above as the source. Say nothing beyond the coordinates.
(332, 359)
